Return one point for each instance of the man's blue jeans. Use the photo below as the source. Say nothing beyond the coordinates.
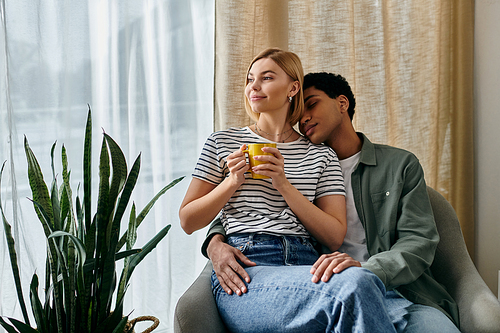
(282, 298)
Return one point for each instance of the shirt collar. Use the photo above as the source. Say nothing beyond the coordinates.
(367, 151)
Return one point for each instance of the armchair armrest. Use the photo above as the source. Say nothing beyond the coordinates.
(196, 310)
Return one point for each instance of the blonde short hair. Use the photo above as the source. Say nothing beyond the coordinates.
(290, 63)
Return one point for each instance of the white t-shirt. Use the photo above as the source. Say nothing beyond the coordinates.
(257, 207)
(355, 239)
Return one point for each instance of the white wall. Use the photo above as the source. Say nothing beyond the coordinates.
(487, 139)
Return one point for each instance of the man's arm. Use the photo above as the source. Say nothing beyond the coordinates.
(402, 259)
(215, 228)
(226, 260)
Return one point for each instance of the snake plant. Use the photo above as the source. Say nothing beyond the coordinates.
(82, 246)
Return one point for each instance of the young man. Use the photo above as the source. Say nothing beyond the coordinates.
(391, 231)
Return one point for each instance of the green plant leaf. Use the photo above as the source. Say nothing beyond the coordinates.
(79, 218)
(87, 171)
(82, 254)
(132, 229)
(54, 196)
(121, 325)
(53, 252)
(74, 276)
(9, 328)
(105, 268)
(37, 308)
(127, 253)
(127, 191)
(113, 319)
(136, 259)
(52, 150)
(64, 209)
(13, 255)
(119, 169)
(43, 217)
(89, 264)
(103, 209)
(37, 184)
(70, 291)
(148, 207)
(56, 207)
(108, 282)
(54, 193)
(90, 274)
(68, 191)
(90, 238)
(22, 327)
(117, 184)
(47, 278)
(131, 238)
(15, 268)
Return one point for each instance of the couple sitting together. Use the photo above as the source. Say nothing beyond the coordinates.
(364, 207)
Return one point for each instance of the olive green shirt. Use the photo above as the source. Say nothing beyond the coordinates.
(391, 199)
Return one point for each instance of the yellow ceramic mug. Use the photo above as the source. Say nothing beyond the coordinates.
(254, 149)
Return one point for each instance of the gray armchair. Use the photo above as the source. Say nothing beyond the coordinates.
(479, 309)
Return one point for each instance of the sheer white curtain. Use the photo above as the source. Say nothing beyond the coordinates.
(146, 69)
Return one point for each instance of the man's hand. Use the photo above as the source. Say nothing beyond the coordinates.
(228, 270)
(329, 264)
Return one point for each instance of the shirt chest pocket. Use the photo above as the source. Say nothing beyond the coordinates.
(385, 210)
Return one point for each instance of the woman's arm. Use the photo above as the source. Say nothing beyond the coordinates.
(203, 200)
(194, 212)
(325, 220)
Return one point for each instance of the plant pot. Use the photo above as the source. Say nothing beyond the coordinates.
(155, 324)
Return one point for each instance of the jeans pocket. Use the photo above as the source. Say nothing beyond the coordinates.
(240, 243)
(309, 245)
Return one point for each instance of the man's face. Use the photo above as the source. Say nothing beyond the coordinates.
(321, 116)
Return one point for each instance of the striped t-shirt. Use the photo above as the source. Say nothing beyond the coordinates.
(257, 207)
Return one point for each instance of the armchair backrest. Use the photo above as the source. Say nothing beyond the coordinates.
(478, 308)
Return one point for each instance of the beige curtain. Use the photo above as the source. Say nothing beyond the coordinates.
(409, 63)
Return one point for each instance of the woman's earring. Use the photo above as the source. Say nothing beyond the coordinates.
(290, 99)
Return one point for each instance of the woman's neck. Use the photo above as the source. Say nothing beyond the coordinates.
(278, 133)
(273, 124)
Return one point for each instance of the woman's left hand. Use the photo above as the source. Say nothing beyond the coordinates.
(274, 168)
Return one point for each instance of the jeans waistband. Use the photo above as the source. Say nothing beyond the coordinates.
(266, 237)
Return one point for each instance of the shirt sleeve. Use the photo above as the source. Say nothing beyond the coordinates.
(215, 228)
(331, 181)
(210, 166)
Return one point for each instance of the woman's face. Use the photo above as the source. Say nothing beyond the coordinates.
(268, 87)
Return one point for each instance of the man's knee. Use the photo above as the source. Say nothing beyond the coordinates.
(359, 282)
(360, 278)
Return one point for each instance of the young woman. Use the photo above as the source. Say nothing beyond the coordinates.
(272, 221)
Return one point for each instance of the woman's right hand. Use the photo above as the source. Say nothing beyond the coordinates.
(237, 164)
(204, 200)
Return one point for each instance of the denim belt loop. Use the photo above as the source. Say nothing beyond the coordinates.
(286, 249)
(250, 239)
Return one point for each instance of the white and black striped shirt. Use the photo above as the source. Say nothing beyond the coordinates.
(257, 207)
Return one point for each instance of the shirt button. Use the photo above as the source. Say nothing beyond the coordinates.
(387, 193)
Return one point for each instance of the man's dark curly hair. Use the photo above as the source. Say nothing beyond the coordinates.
(333, 85)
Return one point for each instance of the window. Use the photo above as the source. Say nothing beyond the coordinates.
(146, 70)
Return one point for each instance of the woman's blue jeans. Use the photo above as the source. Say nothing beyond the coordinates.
(282, 298)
